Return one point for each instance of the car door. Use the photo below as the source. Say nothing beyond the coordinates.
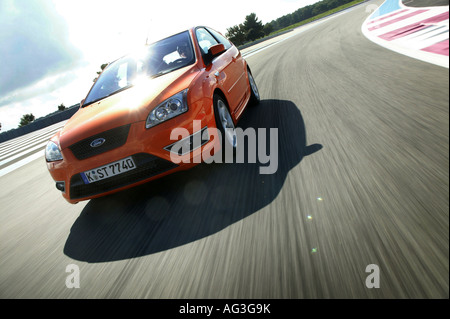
(227, 68)
(239, 66)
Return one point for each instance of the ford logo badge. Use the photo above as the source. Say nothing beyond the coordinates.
(97, 142)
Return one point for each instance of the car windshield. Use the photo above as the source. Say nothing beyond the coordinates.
(156, 59)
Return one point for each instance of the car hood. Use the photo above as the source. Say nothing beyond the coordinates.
(125, 107)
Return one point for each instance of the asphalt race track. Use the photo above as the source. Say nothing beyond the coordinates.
(362, 179)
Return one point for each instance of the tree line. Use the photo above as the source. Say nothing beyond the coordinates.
(252, 29)
(28, 118)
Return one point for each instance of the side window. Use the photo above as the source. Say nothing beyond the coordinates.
(205, 39)
(220, 38)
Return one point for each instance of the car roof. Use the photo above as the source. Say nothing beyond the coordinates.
(165, 33)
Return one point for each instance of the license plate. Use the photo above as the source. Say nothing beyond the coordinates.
(109, 170)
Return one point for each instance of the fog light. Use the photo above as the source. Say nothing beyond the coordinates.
(61, 186)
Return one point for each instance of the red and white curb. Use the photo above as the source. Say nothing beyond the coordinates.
(421, 33)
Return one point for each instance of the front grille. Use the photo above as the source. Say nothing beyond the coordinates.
(146, 166)
(113, 139)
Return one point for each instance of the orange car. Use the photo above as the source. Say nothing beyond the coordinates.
(122, 135)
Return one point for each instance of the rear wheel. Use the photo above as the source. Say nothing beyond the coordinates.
(226, 127)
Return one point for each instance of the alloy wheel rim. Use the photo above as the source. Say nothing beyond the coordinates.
(227, 123)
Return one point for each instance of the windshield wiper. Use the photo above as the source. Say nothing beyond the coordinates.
(160, 73)
(108, 95)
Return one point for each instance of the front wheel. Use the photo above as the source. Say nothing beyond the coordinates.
(226, 127)
(254, 93)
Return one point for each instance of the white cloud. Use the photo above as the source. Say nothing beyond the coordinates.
(34, 43)
(44, 96)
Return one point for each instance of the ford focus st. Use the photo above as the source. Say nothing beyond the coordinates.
(153, 113)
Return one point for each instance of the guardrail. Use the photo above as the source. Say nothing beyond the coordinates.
(40, 123)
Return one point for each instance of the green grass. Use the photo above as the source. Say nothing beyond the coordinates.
(298, 24)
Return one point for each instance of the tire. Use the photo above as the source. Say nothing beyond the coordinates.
(254, 92)
(226, 127)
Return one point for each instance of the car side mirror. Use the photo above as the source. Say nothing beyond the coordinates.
(81, 103)
(215, 50)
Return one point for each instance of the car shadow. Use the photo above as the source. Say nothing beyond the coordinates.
(189, 205)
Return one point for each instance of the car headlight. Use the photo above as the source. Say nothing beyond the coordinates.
(52, 152)
(168, 109)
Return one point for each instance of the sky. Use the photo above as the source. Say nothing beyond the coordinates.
(51, 49)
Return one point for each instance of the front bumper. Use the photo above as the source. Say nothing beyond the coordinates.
(150, 150)
(147, 166)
